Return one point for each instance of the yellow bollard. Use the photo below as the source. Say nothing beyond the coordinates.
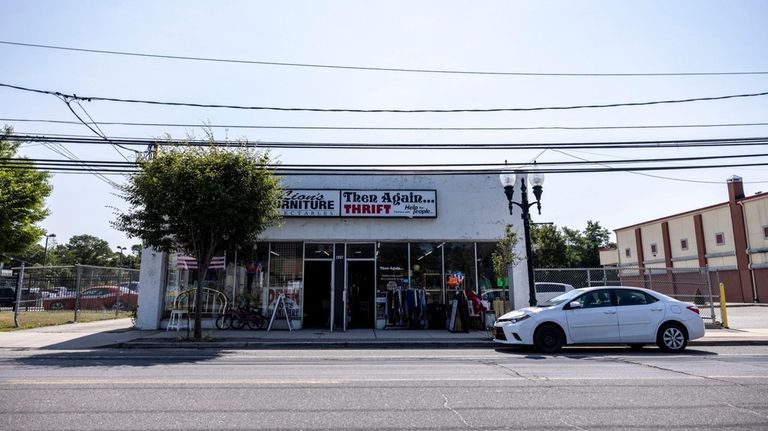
(723, 310)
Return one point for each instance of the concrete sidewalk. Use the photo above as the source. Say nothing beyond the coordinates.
(749, 326)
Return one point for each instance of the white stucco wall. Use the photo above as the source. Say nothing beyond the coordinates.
(651, 234)
(151, 281)
(718, 220)
(756, 213)
(469, 207)
(683, 228)
(625, 239)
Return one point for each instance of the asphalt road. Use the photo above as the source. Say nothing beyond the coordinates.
(581, 389)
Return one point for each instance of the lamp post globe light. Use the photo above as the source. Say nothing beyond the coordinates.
(508, 182)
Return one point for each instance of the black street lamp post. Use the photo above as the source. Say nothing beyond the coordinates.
(45, 259)
(45, 253)
(121, 248)
(508, 181)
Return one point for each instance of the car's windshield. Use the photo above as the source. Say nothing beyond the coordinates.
(565, 297)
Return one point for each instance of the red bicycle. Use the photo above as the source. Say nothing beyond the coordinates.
(239, 317)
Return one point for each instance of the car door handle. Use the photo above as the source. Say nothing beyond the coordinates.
(610, 312)
(657, 309)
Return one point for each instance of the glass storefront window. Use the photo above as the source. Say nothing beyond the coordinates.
(360, 251)
(392, 273)
(318, 251)
(427, 269)
(246, 278)
(285, 278)
(183, 275)
(459, 259)
(494, 288)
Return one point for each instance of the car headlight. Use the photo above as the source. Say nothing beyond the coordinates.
(515, 319)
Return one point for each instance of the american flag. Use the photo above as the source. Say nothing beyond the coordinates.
(186, 262)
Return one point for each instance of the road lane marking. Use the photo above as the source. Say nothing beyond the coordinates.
(341, 381)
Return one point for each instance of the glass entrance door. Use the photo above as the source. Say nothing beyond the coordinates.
(360, 293)
(317, 294)
(318, 285)
(361, 285)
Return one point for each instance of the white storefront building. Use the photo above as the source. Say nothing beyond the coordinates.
(361, 251)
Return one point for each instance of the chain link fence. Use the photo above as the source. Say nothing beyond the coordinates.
(686, 284)
(70, 289)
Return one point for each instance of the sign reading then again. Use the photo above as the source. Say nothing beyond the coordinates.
(360, 203)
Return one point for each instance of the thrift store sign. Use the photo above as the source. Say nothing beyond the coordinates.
(360, 203)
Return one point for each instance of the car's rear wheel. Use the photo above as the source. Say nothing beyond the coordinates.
(548, 339)
(672, 338)
(57, 305)
(120, 306)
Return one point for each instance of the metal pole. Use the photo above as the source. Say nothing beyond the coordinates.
(18, 297)
(528, 254)
(78, 270)
(709, 288)
(723, 308)
(650, 277)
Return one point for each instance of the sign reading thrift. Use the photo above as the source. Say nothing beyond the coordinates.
(360, 203)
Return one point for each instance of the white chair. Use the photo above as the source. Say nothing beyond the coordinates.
(179, 317)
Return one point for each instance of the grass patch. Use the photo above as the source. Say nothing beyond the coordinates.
(37, 319)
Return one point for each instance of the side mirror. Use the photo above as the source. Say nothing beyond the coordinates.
(574, 304)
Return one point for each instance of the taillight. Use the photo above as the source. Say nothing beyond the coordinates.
(693, 308)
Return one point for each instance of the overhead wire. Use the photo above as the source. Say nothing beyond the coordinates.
(130, 141)
(106, 166)
(395, 111)
(379, 128)
(419, 172)
(684, 180)
(372, 68)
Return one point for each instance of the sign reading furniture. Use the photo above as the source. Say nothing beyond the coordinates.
(360, 203)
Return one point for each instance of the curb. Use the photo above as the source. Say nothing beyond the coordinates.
(416, 345)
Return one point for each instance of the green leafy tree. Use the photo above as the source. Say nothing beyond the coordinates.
(23, 190)
(84, 250)
(595, 237)
(504, 256)
(567, 247)
(574, 245)
(126, 259)
(201, 201)
(549, 250)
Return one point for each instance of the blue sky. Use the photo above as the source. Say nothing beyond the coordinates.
(524, 36)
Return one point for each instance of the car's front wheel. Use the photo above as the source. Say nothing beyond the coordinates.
(548, 339)
(57, 305)
(672, 338)
(120, 306)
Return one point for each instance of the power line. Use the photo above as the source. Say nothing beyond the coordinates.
(712, 143)
(582, 161)
(99, 133)
(377, 69)
(282, 171)
(391, 111)
(283, 127)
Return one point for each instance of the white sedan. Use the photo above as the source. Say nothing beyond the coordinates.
(611, 315)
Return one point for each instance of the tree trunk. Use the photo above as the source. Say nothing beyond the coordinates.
(202, 265)
(198, 298)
